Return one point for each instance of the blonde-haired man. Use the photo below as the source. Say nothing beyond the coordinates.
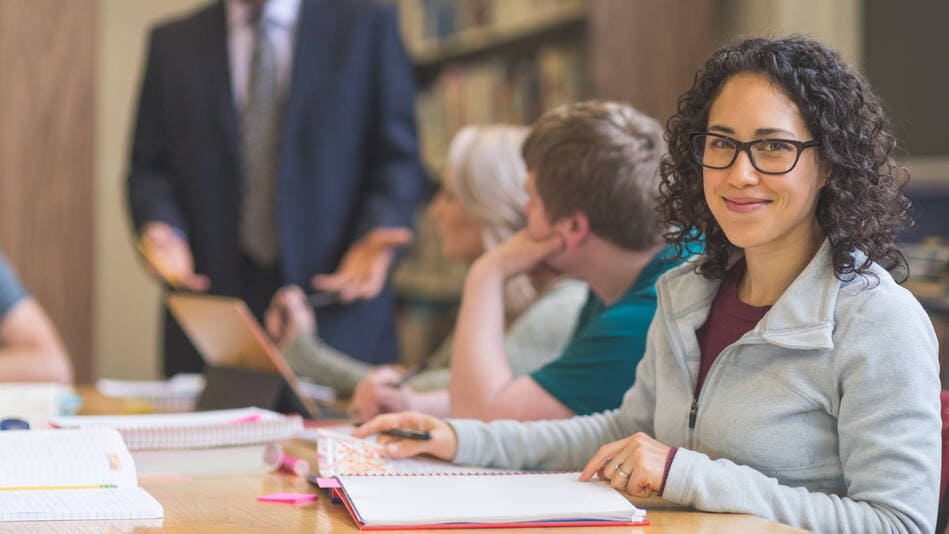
(593, 172)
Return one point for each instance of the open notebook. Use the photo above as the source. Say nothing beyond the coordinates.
(487, 500)
(70, 474)
(382, 493)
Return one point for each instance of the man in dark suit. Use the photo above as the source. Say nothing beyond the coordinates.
(276, 140)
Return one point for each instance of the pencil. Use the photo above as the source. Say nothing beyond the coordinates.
(322, 299)
(73, 486)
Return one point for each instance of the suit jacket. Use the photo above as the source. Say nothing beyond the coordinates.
(348, 158)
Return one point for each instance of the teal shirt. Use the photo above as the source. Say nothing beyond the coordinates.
(599, 363)
(11, 291)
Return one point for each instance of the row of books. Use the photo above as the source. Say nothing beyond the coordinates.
(427, 23)
(514, 90)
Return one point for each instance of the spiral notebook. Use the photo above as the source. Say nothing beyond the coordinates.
(381, 493)
(491, 500)
(216, 428)
(68, 475)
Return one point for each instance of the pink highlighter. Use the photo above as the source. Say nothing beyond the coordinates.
(295, 466)
(277, 459)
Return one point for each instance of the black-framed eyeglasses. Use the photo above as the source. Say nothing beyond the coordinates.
(769, 156)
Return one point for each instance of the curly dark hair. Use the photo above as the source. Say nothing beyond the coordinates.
(861, 207)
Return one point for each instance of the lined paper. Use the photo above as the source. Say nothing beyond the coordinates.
(65, 458)
(91, 504)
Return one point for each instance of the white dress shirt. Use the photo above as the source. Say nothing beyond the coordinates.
(282, 18)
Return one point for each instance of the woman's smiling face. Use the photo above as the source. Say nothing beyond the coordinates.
(757, 210)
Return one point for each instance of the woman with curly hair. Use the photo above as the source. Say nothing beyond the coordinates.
(786, 375)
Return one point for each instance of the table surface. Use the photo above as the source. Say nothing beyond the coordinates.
(229, 504)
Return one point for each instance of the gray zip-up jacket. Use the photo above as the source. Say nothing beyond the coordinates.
(825, 416)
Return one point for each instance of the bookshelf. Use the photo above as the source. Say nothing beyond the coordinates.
(482, 41)
(491, 61)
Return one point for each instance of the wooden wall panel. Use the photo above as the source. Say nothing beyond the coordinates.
(646, 52)
(46, 159)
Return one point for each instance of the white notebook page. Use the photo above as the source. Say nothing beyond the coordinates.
(65, 458)
(431, 500)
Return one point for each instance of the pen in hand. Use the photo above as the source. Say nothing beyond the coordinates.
(405, 433)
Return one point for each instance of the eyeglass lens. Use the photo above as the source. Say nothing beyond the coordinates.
(767, 155)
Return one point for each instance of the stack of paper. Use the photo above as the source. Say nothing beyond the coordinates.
(199, 444)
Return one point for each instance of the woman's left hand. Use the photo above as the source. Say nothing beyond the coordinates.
(635, 465)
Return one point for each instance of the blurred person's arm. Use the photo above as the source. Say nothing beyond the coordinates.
(30, 349)
(161, 233)
(311, 357)
(483, 385)
(292, 324)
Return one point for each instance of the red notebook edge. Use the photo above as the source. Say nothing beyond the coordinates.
(341, 495)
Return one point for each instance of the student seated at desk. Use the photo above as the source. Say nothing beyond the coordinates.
(786, 375)
(480, 205)
(593, 171)
(30, 349)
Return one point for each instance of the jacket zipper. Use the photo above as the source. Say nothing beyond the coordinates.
(694, 409)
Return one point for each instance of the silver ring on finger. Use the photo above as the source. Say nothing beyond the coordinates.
(620, 472)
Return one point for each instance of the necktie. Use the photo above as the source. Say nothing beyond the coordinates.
(260, 132)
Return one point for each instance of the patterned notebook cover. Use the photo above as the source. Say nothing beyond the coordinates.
(339, 453)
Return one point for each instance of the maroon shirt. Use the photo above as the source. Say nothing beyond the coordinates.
(728, 319)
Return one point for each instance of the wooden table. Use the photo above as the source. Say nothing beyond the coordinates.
(229, 504)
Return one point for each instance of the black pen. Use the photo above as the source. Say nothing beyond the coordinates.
(321, 299)
(405, 433)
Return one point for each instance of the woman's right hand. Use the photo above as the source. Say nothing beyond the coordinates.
(443, 444)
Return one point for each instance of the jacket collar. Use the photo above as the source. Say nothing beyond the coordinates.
(802, 318)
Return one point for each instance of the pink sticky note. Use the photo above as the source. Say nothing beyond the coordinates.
(327, 482)
(290, 498)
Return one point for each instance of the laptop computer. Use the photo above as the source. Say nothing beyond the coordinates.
(244, 368)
